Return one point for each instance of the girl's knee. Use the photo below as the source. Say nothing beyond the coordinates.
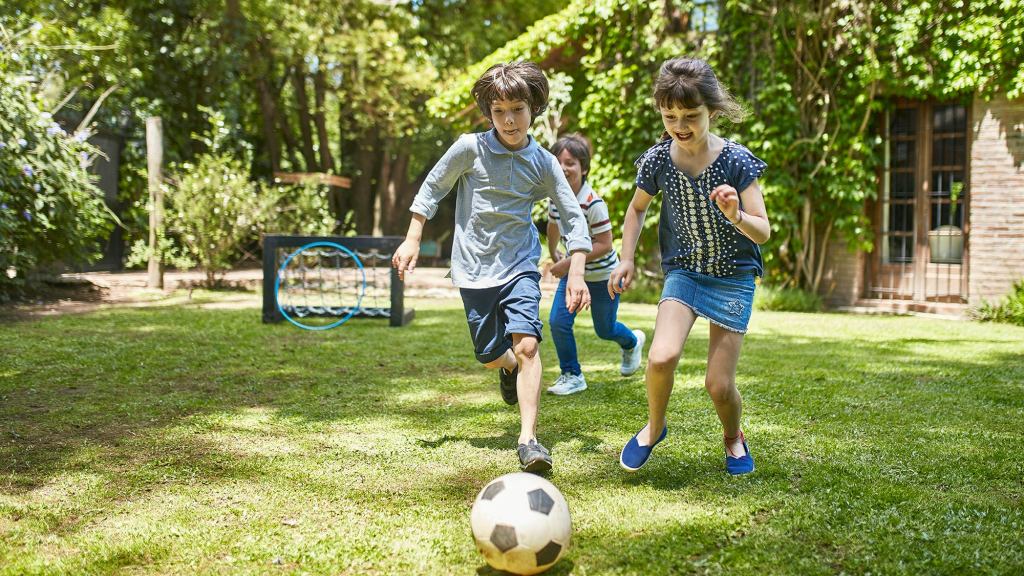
(721, 389)
(662, 360)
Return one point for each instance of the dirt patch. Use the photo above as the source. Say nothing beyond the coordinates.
(54, 297)
(89, 291)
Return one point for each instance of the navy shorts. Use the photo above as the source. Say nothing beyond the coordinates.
(495, 314)
(725, 301)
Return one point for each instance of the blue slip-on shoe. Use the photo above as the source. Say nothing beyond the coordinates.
(742, 464)
(634, 455)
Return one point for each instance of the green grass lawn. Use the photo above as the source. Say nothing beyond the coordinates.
(181, 440)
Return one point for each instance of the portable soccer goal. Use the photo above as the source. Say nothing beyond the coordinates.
(318, 282)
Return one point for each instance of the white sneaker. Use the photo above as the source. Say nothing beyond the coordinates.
(631, 358)
(568, 384)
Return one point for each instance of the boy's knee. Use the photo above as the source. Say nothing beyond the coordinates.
(527, 348)
(604, 332)
(496, 363)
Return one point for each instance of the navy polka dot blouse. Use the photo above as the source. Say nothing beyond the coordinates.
(694, 234)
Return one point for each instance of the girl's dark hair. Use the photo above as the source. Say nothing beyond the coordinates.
(519, 80)
(690, 82)
(579, 147)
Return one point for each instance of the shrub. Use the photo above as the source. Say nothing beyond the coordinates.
(211, 209)
(786, 300)
(302, 209)
(1010, 310)
(50, 210)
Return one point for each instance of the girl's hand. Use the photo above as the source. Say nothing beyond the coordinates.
(405, 257)
(621, 278)
(728, 201)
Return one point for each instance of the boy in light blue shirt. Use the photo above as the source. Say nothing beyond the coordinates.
(499, 174)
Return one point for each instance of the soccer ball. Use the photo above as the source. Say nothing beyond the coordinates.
(521, 523)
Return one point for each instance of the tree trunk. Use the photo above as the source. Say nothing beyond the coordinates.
(305, 122)
(289, 141)
(320, 116)
(268, 111)
(362, 186)
(385, 198)
(395, 203)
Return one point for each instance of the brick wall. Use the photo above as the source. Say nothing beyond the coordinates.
(996, 239)
(841, 283)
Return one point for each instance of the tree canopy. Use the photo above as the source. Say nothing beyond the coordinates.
(375, 91)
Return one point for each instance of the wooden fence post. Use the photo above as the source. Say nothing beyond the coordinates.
(154, 164)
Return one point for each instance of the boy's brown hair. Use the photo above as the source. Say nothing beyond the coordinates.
(519, 80)
(578, 147)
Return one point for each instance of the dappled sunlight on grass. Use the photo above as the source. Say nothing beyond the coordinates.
(187, 440)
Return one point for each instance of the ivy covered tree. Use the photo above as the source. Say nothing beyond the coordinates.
(611, 50)
(814, 74)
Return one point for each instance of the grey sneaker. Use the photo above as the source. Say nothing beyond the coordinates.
(569, 384)
(631, 358)
(507, 385)
(533, 457)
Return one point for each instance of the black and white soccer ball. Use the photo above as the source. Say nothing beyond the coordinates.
(521, 523)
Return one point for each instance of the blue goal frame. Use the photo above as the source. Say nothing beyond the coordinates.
(396, 314)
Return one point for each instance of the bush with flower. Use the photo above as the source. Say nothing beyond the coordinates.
(51, 212)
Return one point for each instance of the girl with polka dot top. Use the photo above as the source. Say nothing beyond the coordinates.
(712, 222)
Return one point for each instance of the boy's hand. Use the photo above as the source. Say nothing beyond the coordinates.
(577, 295)
(405, 257)
(728, 201)
(621, 278)
(560, 268)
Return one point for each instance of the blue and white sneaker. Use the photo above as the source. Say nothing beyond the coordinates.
(631, 358)
(634, 455)
(568, 384)
(737, 465)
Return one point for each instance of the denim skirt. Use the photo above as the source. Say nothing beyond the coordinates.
(725, 301)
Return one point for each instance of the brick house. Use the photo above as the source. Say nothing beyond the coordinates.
(949, 214)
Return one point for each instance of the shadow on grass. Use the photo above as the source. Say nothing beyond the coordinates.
(129, 394)
(561, 568)
(192, 362)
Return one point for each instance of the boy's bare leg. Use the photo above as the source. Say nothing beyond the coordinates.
(507, 361)
(670, 331)
(527, 353)
(720, 382)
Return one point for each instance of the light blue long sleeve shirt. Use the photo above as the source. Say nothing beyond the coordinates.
(495, 237)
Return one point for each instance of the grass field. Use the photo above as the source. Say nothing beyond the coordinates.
(192, 439)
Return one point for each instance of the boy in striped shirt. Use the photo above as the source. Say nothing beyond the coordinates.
(573, 153)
